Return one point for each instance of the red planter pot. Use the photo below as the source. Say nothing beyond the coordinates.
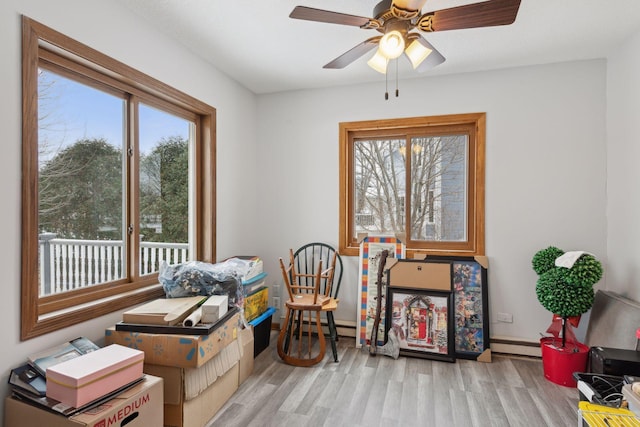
(559, 363)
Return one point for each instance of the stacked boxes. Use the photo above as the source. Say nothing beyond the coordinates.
(201, 372)
(256, 308)
(139, 406)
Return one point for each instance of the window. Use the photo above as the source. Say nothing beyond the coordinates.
(421, 179)
(118, 176)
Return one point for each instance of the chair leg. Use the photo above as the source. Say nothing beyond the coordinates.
(288, 326)
(301, 356)
(333, 334)
(320, 336)
(284, 334)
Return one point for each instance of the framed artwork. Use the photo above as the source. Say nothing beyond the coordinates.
(471, 305)
(370, 249)
(422, 321)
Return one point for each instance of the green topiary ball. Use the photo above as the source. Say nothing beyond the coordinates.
(562, 298)
(586, 271)
(545, 259)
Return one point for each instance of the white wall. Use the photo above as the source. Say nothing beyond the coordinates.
(623, 173)
(545, 179)
(114, 31)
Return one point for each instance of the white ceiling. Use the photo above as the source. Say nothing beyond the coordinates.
(257, 44)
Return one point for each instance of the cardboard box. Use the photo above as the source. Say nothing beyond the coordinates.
(419, 274)
(256, 303)
(184, 351)
(197, 412)
(245, 343)
(140, 406)
(86, 378)
(182, 384)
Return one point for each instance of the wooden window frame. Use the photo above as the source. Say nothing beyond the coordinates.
(350, 131)
(41, 315)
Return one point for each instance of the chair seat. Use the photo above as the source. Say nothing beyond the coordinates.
(331, 305)
(305, 302)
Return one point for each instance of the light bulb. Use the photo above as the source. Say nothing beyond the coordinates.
(392, 44)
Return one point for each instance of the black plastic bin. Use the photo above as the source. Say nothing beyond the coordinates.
(600, 389)
(262, 331)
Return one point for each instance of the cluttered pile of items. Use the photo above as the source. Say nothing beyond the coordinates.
(197, 341)
(79, 383)
(610, 391)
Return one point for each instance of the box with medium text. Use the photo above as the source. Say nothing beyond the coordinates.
(139, 406)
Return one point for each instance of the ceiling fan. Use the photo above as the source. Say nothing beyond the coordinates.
(397, 20)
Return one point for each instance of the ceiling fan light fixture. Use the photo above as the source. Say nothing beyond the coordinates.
(417, 52)
(392, 44)
(378, 62)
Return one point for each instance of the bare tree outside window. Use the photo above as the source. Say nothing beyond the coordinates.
(421, 178)
(438, 188)
(437, 182)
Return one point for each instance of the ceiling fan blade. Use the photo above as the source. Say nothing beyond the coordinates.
(319, 15)
(435, 58)
(409, 4)
(354, 53)
(485, 14)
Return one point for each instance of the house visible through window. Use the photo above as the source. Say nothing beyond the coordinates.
(122, 167)
(421, 179)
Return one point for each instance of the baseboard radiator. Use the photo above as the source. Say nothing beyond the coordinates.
(343, 327)
(499, 345)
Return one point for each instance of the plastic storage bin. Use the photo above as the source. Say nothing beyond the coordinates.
(262, 331)
(600, 389)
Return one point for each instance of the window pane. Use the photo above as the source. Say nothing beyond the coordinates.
(379, 180)
(439, 188)
(165, 144)
(80, 193)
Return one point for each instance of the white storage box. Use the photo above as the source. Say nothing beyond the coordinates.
(91, 376)
(214, 308)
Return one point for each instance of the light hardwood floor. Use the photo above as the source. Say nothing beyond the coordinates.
(364, 390)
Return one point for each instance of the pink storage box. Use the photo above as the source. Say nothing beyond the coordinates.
(86, 378)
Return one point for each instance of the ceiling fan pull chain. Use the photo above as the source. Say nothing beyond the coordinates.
(386, 86)
(397, 91)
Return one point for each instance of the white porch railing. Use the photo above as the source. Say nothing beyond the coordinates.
(67, 264)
